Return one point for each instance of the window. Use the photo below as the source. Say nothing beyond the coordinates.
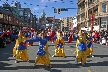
(21, 13)
(103, 22)
(9, 18)
(1, 16)
(104, 7)
(90, 1)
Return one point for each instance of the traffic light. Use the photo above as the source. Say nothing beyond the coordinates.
(59, 10)
(55, 10)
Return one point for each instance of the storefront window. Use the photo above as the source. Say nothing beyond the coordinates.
(103, 22)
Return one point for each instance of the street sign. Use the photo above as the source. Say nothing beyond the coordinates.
(64, 9)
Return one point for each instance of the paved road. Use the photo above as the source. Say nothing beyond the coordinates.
(97, 64)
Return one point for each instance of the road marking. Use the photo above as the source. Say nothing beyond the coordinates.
(68, 46)
(69, 49)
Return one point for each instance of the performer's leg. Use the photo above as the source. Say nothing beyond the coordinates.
(17, 56)
(88, 51)
(83, 57)
(26, 58)
(55, 54)
(36, 60)
(63, 51)
(78, 56)
(91, 52)
(45, 58)
(14, 52)
(47, 61)
(53, 40)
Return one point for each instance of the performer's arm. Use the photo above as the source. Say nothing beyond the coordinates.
(14, 36)
(76, 37)
(89, 38)
(48, 38)
(33, 40)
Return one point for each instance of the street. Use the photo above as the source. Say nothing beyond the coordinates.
(99, 63)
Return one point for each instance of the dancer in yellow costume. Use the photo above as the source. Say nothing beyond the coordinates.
(21, 50)
(81, 48)
(59, 46)
(16, 46)
(42, 54)
(89, 45)
(46, 49)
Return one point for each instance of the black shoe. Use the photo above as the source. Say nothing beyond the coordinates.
(49, 66)
(64, 56)
(83, 64)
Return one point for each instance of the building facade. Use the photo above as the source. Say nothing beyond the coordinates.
(99, 8)
(10, 18)
(25, 15)
(66, 22)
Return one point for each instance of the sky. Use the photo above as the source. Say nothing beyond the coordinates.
(37, 10)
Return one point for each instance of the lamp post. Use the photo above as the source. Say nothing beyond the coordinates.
(92, 18)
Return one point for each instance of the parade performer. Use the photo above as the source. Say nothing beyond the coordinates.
(16, 44)
(46, 48)
(8, 37)
(32, 34)
(2, 42)
(52, 36)
(59, 46)
(70, 38)
(42, 54)
(89, 45)
(35, 34)
(81, 48)
(21, 47)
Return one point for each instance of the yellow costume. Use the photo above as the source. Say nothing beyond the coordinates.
(59, 46)
(47, 54)
(15, 47)
(89, 45)
(21, 47)
(42, 54)
(81, 48)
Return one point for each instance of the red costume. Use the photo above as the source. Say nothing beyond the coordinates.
(70, 38)
(52, 36)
